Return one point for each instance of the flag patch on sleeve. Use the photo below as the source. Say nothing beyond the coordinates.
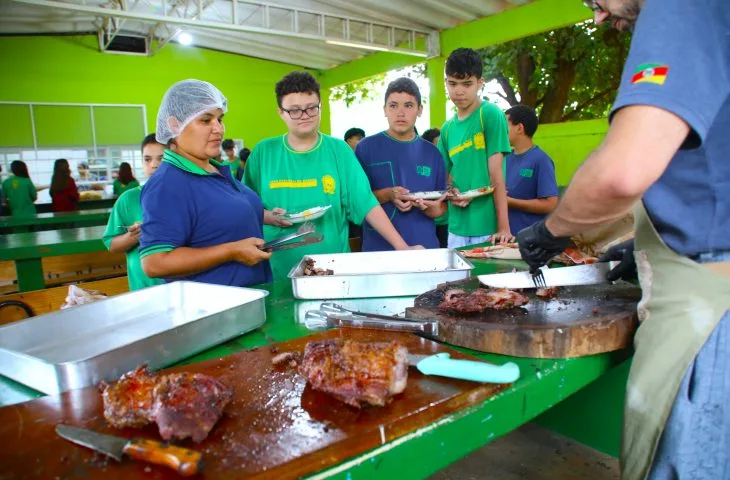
(650, 73)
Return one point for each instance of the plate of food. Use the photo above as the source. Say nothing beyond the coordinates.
(505, 251)
(306, 215)
(433, 195)
(477, 192)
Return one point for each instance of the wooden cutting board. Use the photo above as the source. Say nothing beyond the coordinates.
(579, 321)
(276, 426)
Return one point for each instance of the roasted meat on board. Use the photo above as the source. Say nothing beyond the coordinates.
(481, 299)
(357, 373)
(182, 404)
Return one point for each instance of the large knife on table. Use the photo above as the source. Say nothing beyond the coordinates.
(183, 461)
(591, 274)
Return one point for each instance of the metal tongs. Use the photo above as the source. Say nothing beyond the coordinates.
(305, 235)
(332, 315)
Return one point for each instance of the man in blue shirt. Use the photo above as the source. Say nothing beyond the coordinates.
(532, 191)
(397, 162)
(666, 157)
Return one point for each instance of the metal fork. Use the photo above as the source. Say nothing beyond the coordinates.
(538, 278)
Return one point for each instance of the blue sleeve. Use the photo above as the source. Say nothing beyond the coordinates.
(687, 74)
(167, 214)
(440, 167)
(547, 185)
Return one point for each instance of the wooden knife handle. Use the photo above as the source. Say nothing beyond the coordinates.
(185, 462)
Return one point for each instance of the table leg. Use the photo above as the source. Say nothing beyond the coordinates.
(30, 274)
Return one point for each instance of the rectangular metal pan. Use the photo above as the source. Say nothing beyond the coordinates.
(161, 325)
(379, 274)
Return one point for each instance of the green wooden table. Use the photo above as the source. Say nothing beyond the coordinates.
(49, 221)
(543, 384)
(27, 249)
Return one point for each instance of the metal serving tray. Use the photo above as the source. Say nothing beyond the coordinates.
(379, 274)
(160, 325)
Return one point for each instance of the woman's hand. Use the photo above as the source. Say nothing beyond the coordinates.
(274, 217)
(248, 251)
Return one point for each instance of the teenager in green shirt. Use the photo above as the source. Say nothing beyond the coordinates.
(304, 168)
(473, 143)
(123, 230)
(19, 191)
(125, 180)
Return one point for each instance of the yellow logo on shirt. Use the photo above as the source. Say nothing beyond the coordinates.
(479, 141)
(328, 184)
(460, 148)
(312, 182)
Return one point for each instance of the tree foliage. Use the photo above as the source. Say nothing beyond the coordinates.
(568, 74)
(369, 88)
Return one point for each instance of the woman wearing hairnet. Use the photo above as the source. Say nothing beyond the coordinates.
(198, 223)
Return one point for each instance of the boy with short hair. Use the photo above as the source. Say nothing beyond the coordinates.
(398, 161)
(304, 168)
(473, 143)
(532, 191)
(354, 136)
(123, 229)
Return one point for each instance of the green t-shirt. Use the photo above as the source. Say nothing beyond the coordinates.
(327, 174)
(466, 145)
(20, 194)
(128, 210)
(120, 188)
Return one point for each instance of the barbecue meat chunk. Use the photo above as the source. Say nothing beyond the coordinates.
(189, 405)
(483, 299)
(547, 293)
(129, 402)
(309, 270)
(357, 373)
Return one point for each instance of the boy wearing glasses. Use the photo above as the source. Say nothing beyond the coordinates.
(303, 169)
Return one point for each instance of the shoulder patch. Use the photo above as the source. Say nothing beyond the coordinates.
(650, 73)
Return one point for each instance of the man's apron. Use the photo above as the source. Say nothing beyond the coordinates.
(682, 302)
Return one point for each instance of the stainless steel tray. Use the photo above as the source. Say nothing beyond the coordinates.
(81, 346)
(380, 274)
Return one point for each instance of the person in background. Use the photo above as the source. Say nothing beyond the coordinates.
(123, 229)
(473, 143)
(19, 192)
(353, 136)
(214, 235)
(432, 135)
(64, 194)
(242, 157)
(125, 179)
(304, 168)
(398, 161)
(229, 151)
(87, 179)
(532, 191)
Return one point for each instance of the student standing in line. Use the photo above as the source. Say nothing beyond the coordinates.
(473, 143)
(19, 191)
(64, 194)
(442, 223)
(354, 136)
(242, 158)
(532, 191)
(199, 223)
(125, 180)
(432, 135)
(123, 229)
(397, 161)
(304, 168)
(229, 150)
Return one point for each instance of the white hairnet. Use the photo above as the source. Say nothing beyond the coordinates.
(183, 102)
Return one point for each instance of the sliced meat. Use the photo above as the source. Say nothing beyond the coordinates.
(130, 401)
(288, 358)
(357, 373)
(483, 299)
(546, 293)
(453, 293)
(309, 269)
(189, 405)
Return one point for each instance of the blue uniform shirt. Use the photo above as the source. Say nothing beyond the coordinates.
(688, 75)
(416, 165)
(185, 206)
(530, 175)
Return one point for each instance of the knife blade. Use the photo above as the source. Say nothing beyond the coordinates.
(443, 365)
(185, 462)
(554, 277)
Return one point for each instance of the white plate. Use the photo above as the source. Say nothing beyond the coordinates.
(306, 215)
(477, 192)
(435, 195)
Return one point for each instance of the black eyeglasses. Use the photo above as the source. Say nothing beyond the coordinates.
(593, 5)
(296, 113)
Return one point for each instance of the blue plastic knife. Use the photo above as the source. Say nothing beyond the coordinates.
(443, 365)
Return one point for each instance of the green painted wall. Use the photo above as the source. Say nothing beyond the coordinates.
(70, 69)
(568, 144)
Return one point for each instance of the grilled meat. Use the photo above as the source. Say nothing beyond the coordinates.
(182, 404)
(356, 373)
(483, 299)
(291, 359)
(129, 402)
(546, 293)
(310, 270)
(188, 405)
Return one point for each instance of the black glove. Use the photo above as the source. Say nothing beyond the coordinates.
(538, 245)
(625, 270)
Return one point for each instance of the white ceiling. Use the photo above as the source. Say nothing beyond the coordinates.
(290, 31)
